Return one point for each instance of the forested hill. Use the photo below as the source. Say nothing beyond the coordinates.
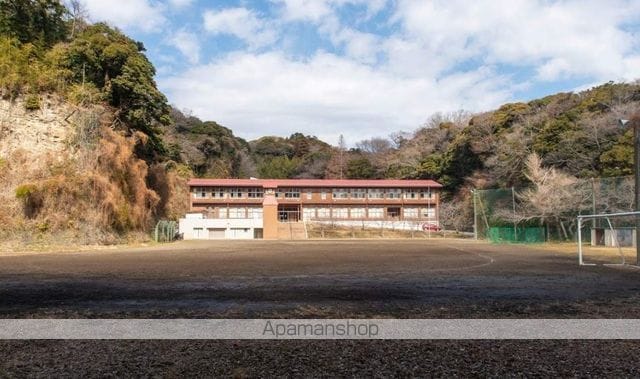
(89, 146)
(575, 132)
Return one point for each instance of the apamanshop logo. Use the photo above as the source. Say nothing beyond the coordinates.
(328, 329)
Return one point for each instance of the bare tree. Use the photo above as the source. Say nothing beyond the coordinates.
(456, 214)
(79, 16)
(555, 197)
(342, 147)
(374, 145)
(459, 117)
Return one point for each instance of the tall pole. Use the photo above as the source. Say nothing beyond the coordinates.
(515, 222)
(593, 202)
(475, 216)
(635, 120)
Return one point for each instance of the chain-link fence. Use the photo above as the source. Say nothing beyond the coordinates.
(548, 211)
(165, 231)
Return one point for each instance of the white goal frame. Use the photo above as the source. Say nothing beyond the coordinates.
(606, 216)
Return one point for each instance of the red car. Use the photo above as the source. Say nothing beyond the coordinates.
(430, 227)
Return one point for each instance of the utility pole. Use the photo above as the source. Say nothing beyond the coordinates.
(515, 222)
(593, 202)
(634, 122)
(475, 215)
(342, 148)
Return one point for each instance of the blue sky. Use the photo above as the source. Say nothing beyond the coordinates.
(366, 68)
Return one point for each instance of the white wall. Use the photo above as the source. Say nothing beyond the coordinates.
(234, 228)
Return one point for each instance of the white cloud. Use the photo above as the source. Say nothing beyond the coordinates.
(144, 15)
(258, 94)
(304, 10)
(562, 39)
(242, 23)
(187, 43)
(440, 56)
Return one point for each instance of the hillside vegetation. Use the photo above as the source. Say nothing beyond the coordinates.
(82, 153)
(90, 148)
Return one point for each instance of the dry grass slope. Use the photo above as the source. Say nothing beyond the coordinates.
(90, 189)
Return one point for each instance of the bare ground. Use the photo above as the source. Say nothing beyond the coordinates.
(333, 279)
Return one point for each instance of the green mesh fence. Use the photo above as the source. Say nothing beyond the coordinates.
(535, 214)
(516, 235)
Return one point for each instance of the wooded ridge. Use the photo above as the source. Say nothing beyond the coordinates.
(127, 153)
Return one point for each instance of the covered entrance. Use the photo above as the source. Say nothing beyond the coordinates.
(288, 213)
(393, 212)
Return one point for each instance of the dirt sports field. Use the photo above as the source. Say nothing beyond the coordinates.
(316, 279)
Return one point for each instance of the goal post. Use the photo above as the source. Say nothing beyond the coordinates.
(618, 233)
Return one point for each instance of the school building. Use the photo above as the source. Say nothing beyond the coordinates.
(279, 209)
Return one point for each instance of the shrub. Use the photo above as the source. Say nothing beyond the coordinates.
(86, 94)
(32, 103)
(31, 199)
(24, 191)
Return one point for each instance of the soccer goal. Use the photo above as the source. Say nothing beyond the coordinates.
(607, 230)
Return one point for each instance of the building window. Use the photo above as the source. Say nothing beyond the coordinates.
(324, 213)
(309, 213)
(340, 213)
(340, 193)
(375, 212)
(309, 194)
(223, 213)
(394, 193)
(292, 193)
(376, 193)
(236, 212)
(200, 192)
(357, 213)
(235, 193)
(254, 213)
(323, 195)
(255, 193)
(425, 193)
(411, 194)
(393, 212)
(217, 193)
(411, 212)
(428, 212)
(358, 193)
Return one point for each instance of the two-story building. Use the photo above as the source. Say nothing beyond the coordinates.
(257, 208)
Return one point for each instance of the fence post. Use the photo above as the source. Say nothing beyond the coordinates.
(515, 223)
(580, 240)
(475, 215)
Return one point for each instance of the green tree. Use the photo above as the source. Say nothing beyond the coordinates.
(23, 70)
(115, 64)
(431, 167)
(360, 168)
(281, 167)
(554, 132)
(459, 162)
(508, 114)
(42, 22)
(618, 160)
(272, 146)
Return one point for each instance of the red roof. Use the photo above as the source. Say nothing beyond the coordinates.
(275, 183)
